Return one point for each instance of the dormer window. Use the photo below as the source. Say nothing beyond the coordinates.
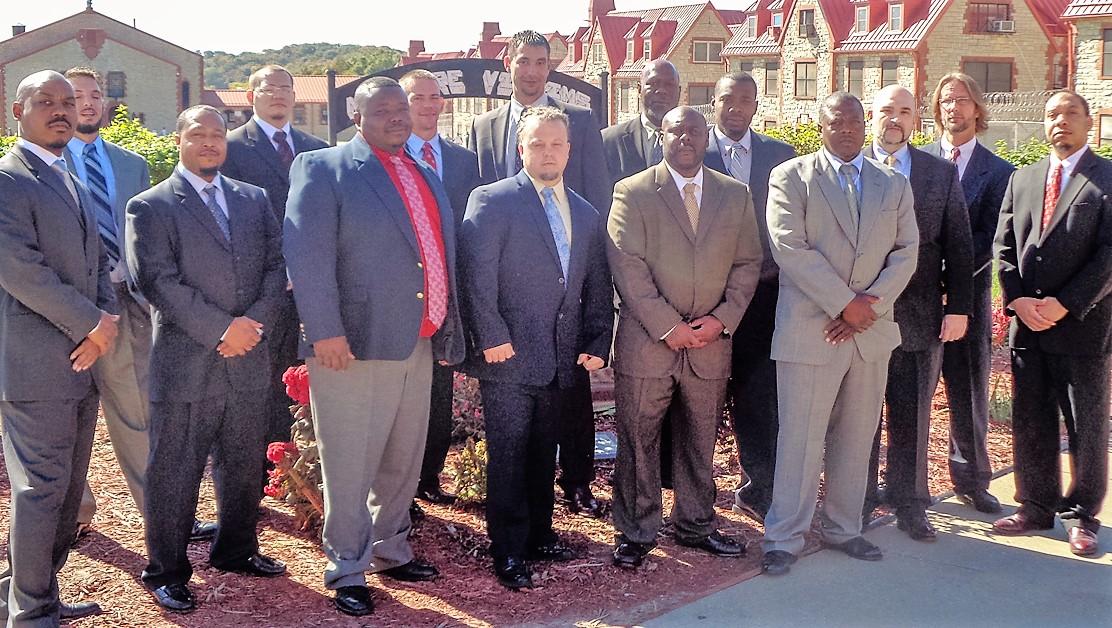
(648, 49)
(806, 22)
(751, 27)
(629, 50)
(896, 17)
(861, 20)
(777, 20)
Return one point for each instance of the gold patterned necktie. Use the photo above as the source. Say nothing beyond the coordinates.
(849, 172)
(692, 205)
(890, 161)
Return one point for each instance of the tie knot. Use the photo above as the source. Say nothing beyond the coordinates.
(955, 153)
(690, 187)
(848, 170)
(279, 137)
(90, 149)
(549, 194)
(60, 165)
(210, 191)
(427, 147)
(890, 161)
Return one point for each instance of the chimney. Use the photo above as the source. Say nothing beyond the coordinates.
(18, 29)
(490, 31)
(416, 47)
(598, 8)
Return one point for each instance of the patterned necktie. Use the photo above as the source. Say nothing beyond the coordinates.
(513, 158)
(891, 161)
(436, 278)
(429, 156)
(692, 205)
(60, 167)
(738, 167)
(285, 153)
(849, 172)
(217, 213)
(98, 186)
(556, 224)
(955, 153)
(656, 150)
(1053, 191)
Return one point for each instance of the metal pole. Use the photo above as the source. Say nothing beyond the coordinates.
(330, 76)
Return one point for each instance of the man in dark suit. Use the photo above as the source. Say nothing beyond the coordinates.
(932, 310)
(493, 138)
(458, 169)
(540, 321)
(206, 251)
(1054, 247)
(56, 320)
(735, 149)
(260, 153)
(635, 145)
(960, 111)
(370, 246)
(685, 256)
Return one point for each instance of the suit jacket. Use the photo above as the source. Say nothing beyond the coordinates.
(197, 281)
(665, 273)
(461, 175)
(625, 149)
(945, 253)
(253, 159)
(517, 292)
(767, 153)
(53, 280)
(586, 170)
(986, 178)
(353, 257)
(827, 257)
(1071, 260)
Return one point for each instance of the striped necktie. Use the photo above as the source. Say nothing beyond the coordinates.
(559, 234)
(217, 212)
(98, 187)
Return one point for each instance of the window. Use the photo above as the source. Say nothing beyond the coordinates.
(708, 52)
(629, 51)
(984, 17)
(745, 66)
(299, 115)
(700, 94)
(896, 17)
(116, 85)
(1106, 58)
(623, 96)
(992, 76)
(648, 54)
(1105, 125)
(861, 20)
(324, 115)
(807, 23)
(596, 53)
(855, 78)
(185, 95)
(806, 79)
(751, 27)
(772, 78)
(770, 124)
(778, 19)
(889, 72)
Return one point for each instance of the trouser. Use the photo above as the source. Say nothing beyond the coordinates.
(282, 341)
(577, 436)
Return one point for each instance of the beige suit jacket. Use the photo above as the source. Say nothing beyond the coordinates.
(665, 273)
(827, 255)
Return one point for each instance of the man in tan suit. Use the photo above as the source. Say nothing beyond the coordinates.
(842, 228)
(685, 256)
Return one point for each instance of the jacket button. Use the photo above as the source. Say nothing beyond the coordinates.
(561, 281)
(1038, 258)
(420, 265)
(560, 315)
(1037, 291)
(420, 295)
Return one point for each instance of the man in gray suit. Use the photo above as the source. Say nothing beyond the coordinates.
(55, 322)
(843, 232)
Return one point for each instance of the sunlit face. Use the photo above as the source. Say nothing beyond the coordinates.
(425, 106)
(90, 104)
(685, 139)
(384, 120)
(203, 144)
(544, 148)
(1066, 123)
(47, 117)
(843, 129)
(274, 98)
(894, 117)
(959, 112)
(528, 72)
(735, 104)
(660, 92)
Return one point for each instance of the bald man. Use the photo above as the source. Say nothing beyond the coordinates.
(635, 145)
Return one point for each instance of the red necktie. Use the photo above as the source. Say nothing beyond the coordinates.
(435, 274)
(1050, 199)
(955, 152)
(285, 153)
(428, 156)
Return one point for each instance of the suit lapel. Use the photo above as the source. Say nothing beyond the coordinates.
(196, 208)
(376, 177)
(264, 148)
(976, 175)
(119, 170)
(872, 191)
(581, 228)
(713, 157)
(237, 214)
(708, 209)
(633, 142)
(532, 202)
(836, 197)
(45, 174)
(1077, 181)
(499, 128)
(666, 188)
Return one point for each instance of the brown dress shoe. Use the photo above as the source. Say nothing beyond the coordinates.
(1083, 542)
(1021, 522)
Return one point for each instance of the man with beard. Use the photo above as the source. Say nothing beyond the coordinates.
(737, 150)
(933, 309)
(633, 146)
(56, 321)
(960, 111)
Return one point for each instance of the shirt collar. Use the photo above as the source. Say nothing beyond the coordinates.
(724, 140)
(539, 185)
(416, 144)
(682, 180)
(648, 126)
(200, 184)
(77, 145)
(1069, 164)
(270, 129)
(834, 161)
(963, 150)
(516, 107)
(903, 155)
(38, 151)
(385, 155)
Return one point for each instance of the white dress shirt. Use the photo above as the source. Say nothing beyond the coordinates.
(836, 163)
(903, 159)
(269, 129)
(200, 184)
(1069, 164)
(965, 153)
(745, 156)
(681, 181)
(416, 147)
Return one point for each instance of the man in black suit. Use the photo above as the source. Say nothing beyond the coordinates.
(458, 169)
(1054, 247)
(540, 305)
(735, 149)
(56, 320)
(494, 140)
(260, 153)
(932, 310)
(959, 110)
(637, 144)
(206, 251)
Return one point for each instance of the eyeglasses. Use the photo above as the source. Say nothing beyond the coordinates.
(955, 102)
(271, 91)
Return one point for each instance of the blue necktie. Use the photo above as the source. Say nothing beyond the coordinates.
(556, 224)
(98, 186)
(217, 213)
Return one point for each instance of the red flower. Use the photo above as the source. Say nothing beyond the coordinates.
(296, 379)
(277, 491)
(277, 452)
(1000, 325)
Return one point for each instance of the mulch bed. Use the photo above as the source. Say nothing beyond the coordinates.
(105, 565)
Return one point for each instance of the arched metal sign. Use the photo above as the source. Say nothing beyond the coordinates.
(463, 78)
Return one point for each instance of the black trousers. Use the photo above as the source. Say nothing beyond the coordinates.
(577, 435)
(282, 343)
(1045, 387)
(966, 368)
(522, 425)
(753, 389)
(439, 437)
(232, 428)
(912, 379)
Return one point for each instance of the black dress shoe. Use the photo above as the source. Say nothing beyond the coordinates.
(858, 548)
(715, 544)
(555, 551)
(917, 526)
(413, 571)
(416, 513)
(77, 610)
(581, 501)
(982, 500)
(176, 598)
(630, 554)
(513, 573)
(777, 562)
(354, 600)
(256, 565)
(434, 495)
(202, 531)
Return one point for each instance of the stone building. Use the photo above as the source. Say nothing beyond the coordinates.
(1090, 36)
(153, 77)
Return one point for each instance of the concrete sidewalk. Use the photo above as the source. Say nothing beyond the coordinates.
(969, 577)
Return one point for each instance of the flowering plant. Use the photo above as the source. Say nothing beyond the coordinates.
(296, 379)
(296, 477)
(1000, 325)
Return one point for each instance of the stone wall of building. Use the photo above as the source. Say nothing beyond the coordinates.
(796, 49)
(707, 27)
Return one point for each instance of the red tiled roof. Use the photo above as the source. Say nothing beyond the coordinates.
(1087, 8)
(744, 46)
(917, 24)
(613, 28)
(1049, 15)
(684, 16)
